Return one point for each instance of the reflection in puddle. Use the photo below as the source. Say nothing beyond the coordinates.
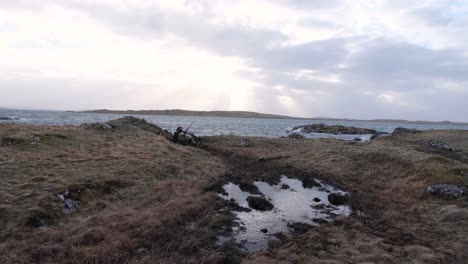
(291, 205)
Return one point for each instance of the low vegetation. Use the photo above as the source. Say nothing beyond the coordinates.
(145, 199)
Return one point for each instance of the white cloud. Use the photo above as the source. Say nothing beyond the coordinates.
(342, 58)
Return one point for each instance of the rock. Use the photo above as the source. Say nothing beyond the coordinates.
(236, 207)
(264, 230)
(249, 187)
(243, 143)
(337, 199)
(259, 203)
(6, 118)
(69, 205)
(446, 191)
(357, 139)
(319, 220)
(96, 126)
(402, 130)
(310, 182)
(300, 228)
(378, 135)
(317, 200)
(296, 136)
(335, 129)
(438, 145)
(284, 186)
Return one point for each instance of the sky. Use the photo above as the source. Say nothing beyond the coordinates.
(361, 59)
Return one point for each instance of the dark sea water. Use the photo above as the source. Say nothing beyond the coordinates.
(207, 126)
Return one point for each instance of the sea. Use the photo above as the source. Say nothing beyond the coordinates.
(211, 126)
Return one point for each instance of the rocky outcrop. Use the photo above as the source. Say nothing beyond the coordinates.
(402, 131)
(295, 136)
(335, 129)
(438, 145)
(379, 135)
(96, 126)
(129, 123)
(446, 191)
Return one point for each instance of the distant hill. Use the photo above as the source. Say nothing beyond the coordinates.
(179, 112)
(247, 114)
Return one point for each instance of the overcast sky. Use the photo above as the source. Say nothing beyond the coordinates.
(333, 58)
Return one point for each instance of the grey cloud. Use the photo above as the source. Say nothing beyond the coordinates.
(385, 60)
(380, 65)
(433, 16)
(318, 55)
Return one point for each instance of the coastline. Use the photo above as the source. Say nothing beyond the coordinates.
(246, 114)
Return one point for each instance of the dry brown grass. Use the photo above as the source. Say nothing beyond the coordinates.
(142, 197)
(147, 200)
(398, 223)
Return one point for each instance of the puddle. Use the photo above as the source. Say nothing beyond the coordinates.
(292, 203)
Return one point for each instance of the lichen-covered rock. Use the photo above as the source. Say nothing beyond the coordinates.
(295, 136)
(335, 129)
(447, 191)
(438, 145)
(402, 130)
(96, 126)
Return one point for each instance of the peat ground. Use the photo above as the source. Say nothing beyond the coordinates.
(144, 199)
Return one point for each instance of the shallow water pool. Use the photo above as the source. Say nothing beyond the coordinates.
(292, 203)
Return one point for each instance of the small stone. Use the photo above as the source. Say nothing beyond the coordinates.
(296, 136)
(259, 203)
(249, 187)
(337, 199)
(319, 220)
(445, 191)
(310, 182)
(264, 230)
(317, 200)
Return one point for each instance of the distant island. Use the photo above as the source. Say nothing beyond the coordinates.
(179, 112)
(247, 114)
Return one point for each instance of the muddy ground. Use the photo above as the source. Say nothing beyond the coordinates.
(144, 199)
